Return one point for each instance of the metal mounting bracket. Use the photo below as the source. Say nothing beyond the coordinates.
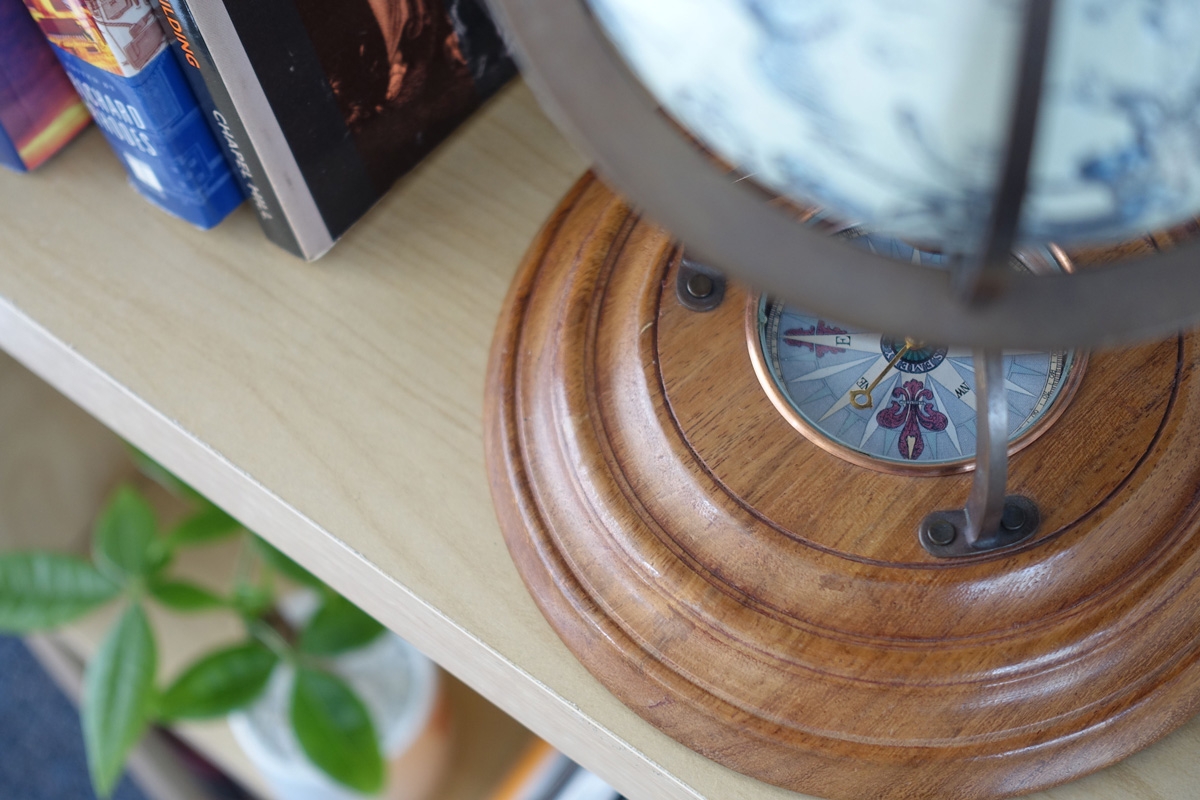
(991, 520)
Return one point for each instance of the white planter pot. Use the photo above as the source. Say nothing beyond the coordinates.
(403, 692)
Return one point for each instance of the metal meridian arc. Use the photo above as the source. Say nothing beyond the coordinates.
(596, 98)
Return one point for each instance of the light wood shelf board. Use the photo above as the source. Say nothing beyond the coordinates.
(336, 407)
(57, 469)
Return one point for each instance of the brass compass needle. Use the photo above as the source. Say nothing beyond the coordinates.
(857, 395)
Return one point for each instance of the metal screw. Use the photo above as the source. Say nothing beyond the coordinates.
(942, 532)
(699, 285)
(1013, 518)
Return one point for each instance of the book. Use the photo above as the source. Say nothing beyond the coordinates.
(195, 61)
(543, 773)
(39, 110)
(324, 105)
(116, 55)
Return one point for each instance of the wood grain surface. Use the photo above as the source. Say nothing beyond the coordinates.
(768, 604)
(336, 408)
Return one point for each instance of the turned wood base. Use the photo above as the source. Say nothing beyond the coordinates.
(768, 604)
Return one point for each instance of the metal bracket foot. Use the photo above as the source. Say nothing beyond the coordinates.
(943, 533)
(699, 287)
(990, 521)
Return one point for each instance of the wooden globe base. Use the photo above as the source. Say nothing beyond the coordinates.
(768, 604)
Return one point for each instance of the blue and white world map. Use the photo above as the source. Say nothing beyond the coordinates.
(894, 113)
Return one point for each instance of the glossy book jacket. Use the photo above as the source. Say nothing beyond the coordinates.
(323, 106)
(39, 111)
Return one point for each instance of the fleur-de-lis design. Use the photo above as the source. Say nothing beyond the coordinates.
(912, 408)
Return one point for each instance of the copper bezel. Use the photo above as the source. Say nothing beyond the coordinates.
(1053, 259)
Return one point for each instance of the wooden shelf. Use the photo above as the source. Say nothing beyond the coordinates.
(335, 408)
(56, 470)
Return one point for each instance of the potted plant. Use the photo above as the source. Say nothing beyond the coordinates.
(315, 687)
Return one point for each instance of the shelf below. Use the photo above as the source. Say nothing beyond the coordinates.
(57, 468)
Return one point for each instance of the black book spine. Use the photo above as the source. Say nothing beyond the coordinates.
(189, 48)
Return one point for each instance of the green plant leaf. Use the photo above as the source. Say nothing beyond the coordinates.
(219, 683)
(285, 566)
(124, 543)
(118, 688)
(338, 626)
(251, 600)
(209, 524)
(162, 476)
(335, 730)
(42, 590)
(184, 596)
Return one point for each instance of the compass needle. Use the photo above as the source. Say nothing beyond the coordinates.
(843, 398)
(861, 398)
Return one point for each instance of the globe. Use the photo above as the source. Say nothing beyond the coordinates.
(893, 114)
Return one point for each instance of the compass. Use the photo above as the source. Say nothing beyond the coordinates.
(897, 404)
(752, 520)
(767, 602)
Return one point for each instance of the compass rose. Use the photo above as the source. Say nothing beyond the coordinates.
(830, 377)
(894, 403)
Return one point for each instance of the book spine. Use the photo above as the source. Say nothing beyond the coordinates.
(195, 60)
(117, 58)
(39, 110)
(9, 156)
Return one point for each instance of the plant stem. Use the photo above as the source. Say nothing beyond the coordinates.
(274, 638)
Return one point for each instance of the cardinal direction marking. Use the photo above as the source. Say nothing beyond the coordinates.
(946, 374)
(1008, 385)
(823, 343)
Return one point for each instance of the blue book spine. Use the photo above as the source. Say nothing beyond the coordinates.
(141, 101)
(9, 156)
(39, 111)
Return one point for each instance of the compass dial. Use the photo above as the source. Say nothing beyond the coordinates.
(892, 403)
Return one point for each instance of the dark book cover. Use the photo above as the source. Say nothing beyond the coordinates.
(196, 63)
(39, 110)
(340, 99)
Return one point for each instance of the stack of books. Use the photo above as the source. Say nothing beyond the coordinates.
(116, 55)
(310, 109)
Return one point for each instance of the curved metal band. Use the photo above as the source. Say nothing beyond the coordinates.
(991, 520)
(985, 504)
(975, 277)
(593, 94)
